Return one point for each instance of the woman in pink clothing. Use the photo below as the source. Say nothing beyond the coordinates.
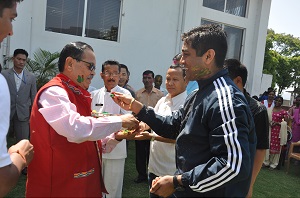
(294, 111)
(278, 114)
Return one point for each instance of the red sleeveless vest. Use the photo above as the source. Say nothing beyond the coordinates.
(61, 168)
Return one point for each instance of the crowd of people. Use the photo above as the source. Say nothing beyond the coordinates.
(202, 136)
(283, 127)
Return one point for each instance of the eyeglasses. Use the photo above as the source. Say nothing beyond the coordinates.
(114, 74)
(91, 66)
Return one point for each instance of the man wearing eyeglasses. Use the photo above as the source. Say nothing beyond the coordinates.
(114, 152)
(65, 136)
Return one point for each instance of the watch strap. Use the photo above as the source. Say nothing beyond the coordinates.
(177, 186)
(175, 181)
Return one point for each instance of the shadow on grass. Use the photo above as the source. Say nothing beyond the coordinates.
(269, 183)
(130, 188)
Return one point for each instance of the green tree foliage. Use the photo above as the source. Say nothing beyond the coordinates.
(282, 60)
(285, 44)
(295, 64)
(283, 73)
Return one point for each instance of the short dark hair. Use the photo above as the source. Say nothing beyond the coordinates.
(177, 58)
(178, 66)
(235, 69)
(110, 62)
(148, 72)
(7, 4)
(74, 50)
(158, 75)
(270, 89)
(20, 51)
(126, 68)
(205, 37)
(279, 97)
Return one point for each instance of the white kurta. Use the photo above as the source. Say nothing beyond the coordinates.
(114, 158)
(162, 155)
(4, 122)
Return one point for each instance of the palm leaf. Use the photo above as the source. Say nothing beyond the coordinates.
(43, 66)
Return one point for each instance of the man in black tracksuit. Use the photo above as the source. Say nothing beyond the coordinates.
(214, 131)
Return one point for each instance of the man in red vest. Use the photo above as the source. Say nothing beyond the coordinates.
(65, 137)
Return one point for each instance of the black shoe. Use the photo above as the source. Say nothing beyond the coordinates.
(265, 166)
(139, 179)
(24, 171)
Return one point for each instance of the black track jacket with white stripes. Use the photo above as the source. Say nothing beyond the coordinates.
(215, 139)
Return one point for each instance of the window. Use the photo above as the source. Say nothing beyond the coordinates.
(234, 39)
(235, 7)
(65, 16)
(101, 18)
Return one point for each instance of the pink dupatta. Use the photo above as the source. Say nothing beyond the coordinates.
(296, 116)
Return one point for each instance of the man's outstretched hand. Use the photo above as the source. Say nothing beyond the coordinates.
(129, 122)
(127, 102)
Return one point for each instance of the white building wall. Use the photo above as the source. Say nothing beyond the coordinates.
(149, 35)
(255, 24)
(259, 14)
(266, 81)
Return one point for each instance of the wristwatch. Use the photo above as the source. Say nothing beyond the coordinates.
(176, 184)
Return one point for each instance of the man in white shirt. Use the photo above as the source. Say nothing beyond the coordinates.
(162, 150)
(113, 158)
(21, 154)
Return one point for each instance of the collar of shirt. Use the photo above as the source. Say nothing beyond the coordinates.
(18, 79)
(20, 74)
(127, 86)
(78, 90)
(115, 89)
(205, 82)
(177, 99)
(153, 90)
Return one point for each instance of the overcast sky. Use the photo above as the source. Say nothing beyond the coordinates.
(284, 17)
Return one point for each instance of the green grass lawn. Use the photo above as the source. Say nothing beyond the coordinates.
(269, 183)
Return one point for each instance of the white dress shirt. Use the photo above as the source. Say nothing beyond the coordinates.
(162, 155)
(102, 102)
(18, 79)
(165, 91)
(4, 122)
(62, 116)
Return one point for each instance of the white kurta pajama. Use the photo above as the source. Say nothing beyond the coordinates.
(114, 153)
(4, 122)
(162, 155)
